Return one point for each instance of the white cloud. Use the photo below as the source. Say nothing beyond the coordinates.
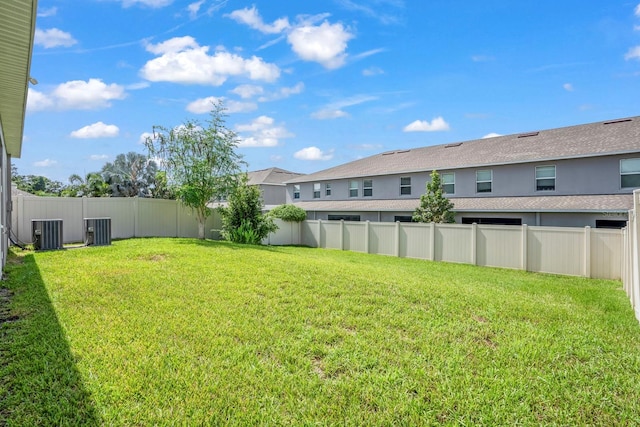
(636, 11)
(149, 3)
(313, 153)
(633, 53)
(335, 110)
(252, 18)
(182, 60)
(283, 93)
(97, 157)
(275, 158)
(263, 133)
(491, 135)
(138, 86)
(144, 136)
(568, 87)
(53, 37)
(325, 43)
(204, 105)
(328, 114)
(372, 71)
(437, 124)
(38, 101)
(96, 130)
(45, 163)
(92, 94)
(45, 13)
(194, 8)
(248, 91)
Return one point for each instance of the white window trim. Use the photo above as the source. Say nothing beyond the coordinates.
(405, 186)
(357, 188)
(626, 173)
(319, 190)
(367, 188)
(479, 182)
(327, 187)
(555, 178)
(454, 181)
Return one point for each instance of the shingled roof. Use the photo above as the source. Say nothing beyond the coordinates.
(591, 203)
(595, 139)
(271, 176)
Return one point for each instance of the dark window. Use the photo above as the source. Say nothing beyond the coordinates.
(630, 173)
(493, 221)
(353, 189)
(327, 189)
(448, 180)
(316, 190)
(483, 181)
(367, 187)
(296, 191)
(344, 217)
(405, 186)
(402, 218)
(545, 178)
(610, 223)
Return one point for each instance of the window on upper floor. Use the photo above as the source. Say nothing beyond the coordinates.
(545, 178)
(367, 188)
(353, 188)
(484, 180)
(448, 180)
(316, 190)
(327, 190)
(405, 185)
(296, 191)
(629, 173)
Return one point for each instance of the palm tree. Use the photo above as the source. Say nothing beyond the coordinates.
(130, 175)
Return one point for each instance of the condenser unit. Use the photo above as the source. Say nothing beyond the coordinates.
(46, 233)
(97, 231)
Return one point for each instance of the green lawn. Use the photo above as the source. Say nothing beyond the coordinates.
(183, 332)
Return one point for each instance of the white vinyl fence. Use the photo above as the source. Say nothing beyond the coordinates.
(594, 253)
(631, 265)
(130, 217)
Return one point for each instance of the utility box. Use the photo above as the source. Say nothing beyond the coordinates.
(97, 231)
(46, 233)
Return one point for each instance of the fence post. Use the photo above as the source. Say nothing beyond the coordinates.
(474, 240)
(587, 252)
(135, 216)
(342, 234)
(366, 235)
(319, 233)
(397, 248)
(432, 241)
(525, 254)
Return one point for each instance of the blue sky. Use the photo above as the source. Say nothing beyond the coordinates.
(316, 83)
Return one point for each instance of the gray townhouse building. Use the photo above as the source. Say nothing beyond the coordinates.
(572, 176)
(271, 183)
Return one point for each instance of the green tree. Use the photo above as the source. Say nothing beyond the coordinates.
(131, 174)
(36, 184)
(434, 207)
(243, 220)
(289, 213)
(200, 161)
(92, 185)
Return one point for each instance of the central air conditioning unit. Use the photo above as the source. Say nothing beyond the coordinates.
(46, 233)
(97, 231)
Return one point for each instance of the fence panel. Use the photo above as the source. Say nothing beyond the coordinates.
(606, 254)
(68, 209)
(121, 210)
(331, 235)
(556, 250)
(415, 241)
(382, 238)
(310, 233)
(355, 237)
(499, 246)
(288, 233)
(453, 243)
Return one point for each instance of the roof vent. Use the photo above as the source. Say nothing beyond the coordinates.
(457, 144)
(526, 135)
(402, 151)
(388, 153)
(617, 121)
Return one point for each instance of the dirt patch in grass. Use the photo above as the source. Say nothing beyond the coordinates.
(5, 306)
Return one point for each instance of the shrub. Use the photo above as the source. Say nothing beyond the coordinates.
(289, 213)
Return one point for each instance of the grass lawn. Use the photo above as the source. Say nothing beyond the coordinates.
(183, 332)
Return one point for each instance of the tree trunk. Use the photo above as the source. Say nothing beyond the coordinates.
(201, 223)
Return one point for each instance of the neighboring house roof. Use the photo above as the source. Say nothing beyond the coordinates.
(17, 26)
(591, 203)
(589, 140)
(273, 176)
(15, 191)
